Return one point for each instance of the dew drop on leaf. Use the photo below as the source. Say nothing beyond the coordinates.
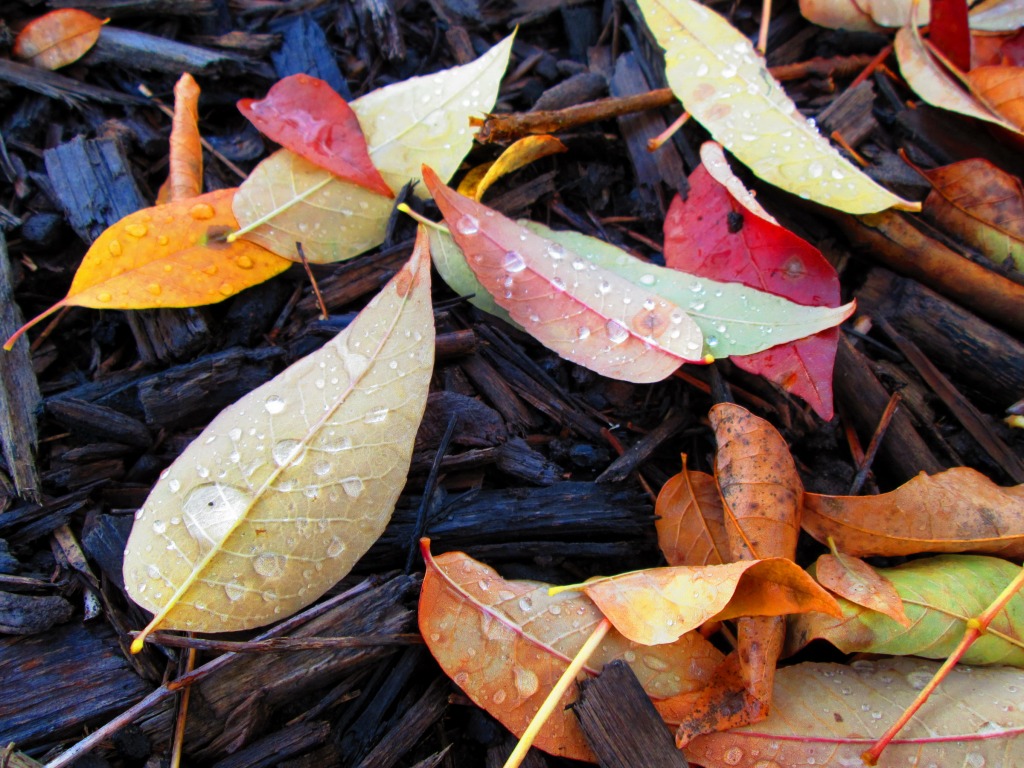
(268, 565)
(353, 486)
(467, 225)
(284, 451)
(211, 511)
(513, 262)
(617, 333)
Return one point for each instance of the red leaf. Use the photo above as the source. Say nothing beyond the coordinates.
(949, 32)
(712, 235)
(308, 117)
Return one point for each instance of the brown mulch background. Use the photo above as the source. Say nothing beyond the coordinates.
(530, 482)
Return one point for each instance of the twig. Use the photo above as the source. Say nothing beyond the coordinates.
(283, 644)
(864, 465)
(312, 281)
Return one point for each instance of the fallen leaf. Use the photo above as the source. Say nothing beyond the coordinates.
(939, 595)
(713, 235)
(658, 605)
(588, 315)
(57, 38)
(288, 199)
(949, 32)
(690, 521)
(854, 580)
(307, 116)
(518, 154)
(284, 490)
(980, 204)
(722, 81)
(172, 255)
(959, 510)
(505, 643)
(828, 714)
(759, 484)
(1002, 87)
(997, 16)
(988, 48)
(185, 174)
(935, 85)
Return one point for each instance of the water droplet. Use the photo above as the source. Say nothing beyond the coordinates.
(732, 756)
(211, 511)
(729, 71)
(815, 169)
(467, 225)
(244, 262)
(335, 548)
(234, 591)
(579, 265)
(647, 279)
(499, 696)
(461, 678)
(225, 289)
(556, 252)
(555, 610)
(235, 434)
(152, 571)
(712, 341)
(162, 239)
(655, 663)
(525, 604)
(629, 656)
(174, 485)
(285, 451)
(321, 468)
(376, 416)
(269, 596)
(159, 526)
(104, 296)
(583, 333)
(616, 331)
(527, 681)
(353, 486)
(696, 286)
(558, 283)
(136, 230)
(604, 287)
(274, 404)
(268, 565)
(513, 262)
(201, 211)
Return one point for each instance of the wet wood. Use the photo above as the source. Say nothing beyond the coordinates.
(277, 746)
(116, 8)
(407, 730)
(621, 724)
(151, 52)
(54, 85)
(305, 49)
(642, 449)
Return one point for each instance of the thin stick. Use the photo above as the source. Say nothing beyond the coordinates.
(179, 723)
(766, 19)
(655, 144)
(864, 466)
(555, 696)
(312, 280)
(975, 629)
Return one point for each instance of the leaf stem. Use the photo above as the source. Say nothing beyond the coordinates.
(555, 696)
(404, 208)
(280, 209)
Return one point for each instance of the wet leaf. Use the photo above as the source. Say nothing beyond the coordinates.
(658, 605)
(1002, 87)
(171, 255)
(185, 174)
(307, 116)
(690, 520)
(982, 205)
(505, 643)
(518, 154)
(997, 16)
(280, 495)
(423, 119)
(759, 483)
(828, 714)
(949, 32)
(853, 579)
(939, 595)
(875, 15)
(935, 85)
(713, 69)
(959, 510)
(57, 38)
(713, 234)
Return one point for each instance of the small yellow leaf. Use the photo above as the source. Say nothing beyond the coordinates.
(517, 155)
(287, 488)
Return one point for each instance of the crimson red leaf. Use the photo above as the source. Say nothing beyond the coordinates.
(950, 33)
(308, 117)
(712, 235)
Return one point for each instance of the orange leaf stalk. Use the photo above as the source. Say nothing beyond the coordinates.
(976, 627)
(555, 696)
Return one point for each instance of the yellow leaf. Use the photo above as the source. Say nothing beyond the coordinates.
(517, 155)
(287, 488)
(724, 84)
(171, 255)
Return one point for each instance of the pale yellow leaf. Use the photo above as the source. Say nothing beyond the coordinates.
(280, 495)
(723, 82)
(415, 121)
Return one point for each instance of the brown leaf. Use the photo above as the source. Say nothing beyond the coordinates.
(58, 38)
(657, 605)
(852, 578)
(1003, 88)
(505, 643)
(759, 484)
(690, 520)
(959, 510)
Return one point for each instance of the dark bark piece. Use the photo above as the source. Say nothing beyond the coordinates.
(57, 86)
(169, 335)
(305, 50)
(117, 8)
(93, 183)
(664, 165)
(29, 615)
(270, 750)
(129, 47)
(81, 475)
(8, 562)
(621, 724)
(517, 459)
(30, 521)
(19, 392)
(83, 674)
(984, 359)
(580, 88)
(476, 425)
(104, 538)
(863, 399)
(499, 393)
(970, 417)
(406, 731)
(851, 114)
(98, 421)
(642, 449)
(379, 23)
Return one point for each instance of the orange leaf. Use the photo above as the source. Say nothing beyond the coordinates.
(658, 605)
(690, 520)
(959, 510)
(172, 255)
(759, 484)
(505, 643)
(1003, 88)
(519, 154)
(858, 582)
(185, 175)
(58, 38)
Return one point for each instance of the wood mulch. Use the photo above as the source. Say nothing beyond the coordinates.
(532, 481)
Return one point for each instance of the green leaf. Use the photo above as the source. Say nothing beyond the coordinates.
(939, 594)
